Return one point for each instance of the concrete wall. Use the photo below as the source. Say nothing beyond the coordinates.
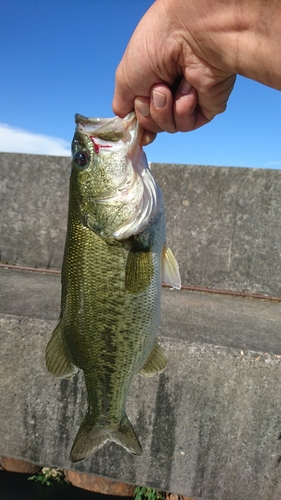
(210, 425)
(34, 198)
(223, 224)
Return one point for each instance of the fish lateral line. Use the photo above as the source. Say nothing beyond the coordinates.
(98, 146)
(115, 256)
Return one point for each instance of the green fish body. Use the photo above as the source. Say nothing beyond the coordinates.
(115, 259)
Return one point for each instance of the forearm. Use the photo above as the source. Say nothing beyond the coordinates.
(239, 36)
(179, 67)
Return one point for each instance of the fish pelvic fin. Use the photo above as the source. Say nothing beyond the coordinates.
(91, 438)
(155, 364)
(56, 357)
(170, 268)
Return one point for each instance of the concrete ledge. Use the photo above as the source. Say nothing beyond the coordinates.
(99, 484)
(202, 318)
(210, 425)
(13, 465)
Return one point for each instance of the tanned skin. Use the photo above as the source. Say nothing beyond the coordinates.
(180, 65)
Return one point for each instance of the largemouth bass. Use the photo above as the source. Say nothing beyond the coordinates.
(114, 261)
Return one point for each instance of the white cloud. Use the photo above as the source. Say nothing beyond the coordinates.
(16, 140)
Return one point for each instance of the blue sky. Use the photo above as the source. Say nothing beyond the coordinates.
(58, 57)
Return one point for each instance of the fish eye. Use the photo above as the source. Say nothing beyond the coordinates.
(81, 158)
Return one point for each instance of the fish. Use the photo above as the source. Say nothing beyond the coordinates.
(115, 259)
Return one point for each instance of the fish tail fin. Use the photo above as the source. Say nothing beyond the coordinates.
(91, 438)
(126, 437)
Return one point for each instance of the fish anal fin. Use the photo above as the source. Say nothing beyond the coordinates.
(57, 360)
(156, 362)
(139, 271)
(91, 438)
(170, 268)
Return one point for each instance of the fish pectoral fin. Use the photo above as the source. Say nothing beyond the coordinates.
(57, 360)
(170, 269)
(139, 271)
(91, 438)
(156, 362)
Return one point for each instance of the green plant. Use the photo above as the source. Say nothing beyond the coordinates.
(143, 493)
(48, 476)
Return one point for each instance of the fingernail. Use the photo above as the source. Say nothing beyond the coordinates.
(142, 107)
(159, 100)
(185, 87)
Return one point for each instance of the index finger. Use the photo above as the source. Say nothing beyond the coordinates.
(123, 100)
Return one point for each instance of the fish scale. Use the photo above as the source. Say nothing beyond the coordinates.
(115, 258)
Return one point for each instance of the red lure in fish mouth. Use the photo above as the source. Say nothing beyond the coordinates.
(98, 146)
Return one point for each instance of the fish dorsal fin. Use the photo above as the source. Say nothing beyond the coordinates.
(170, 268)
(57, 360)
(156, 362)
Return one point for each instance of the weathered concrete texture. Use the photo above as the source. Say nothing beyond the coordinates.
(210, 425)
(99, 484)
(223, 224)
(204, 318)
(14, 465)
(172, 496)
(33, 215)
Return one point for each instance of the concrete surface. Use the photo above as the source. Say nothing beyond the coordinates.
(203, 318)
(210, 425)
(223, 224)
(33, 201)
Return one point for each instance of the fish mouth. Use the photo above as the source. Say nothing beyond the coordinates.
(109, 129)
(138, 189)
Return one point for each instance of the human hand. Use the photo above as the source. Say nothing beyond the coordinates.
(167, 76)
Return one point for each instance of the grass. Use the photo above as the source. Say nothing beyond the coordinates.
(142, 493)
(48, 476)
